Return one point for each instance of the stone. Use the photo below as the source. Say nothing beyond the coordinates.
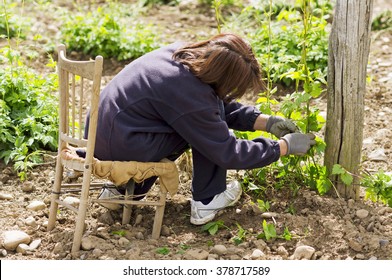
(6, 196)
(123, 242)
(27, 187)
(219, 250)
(36, 205)
(73, 201)
(196, 254)
(13, 238)
(30, 221)
(303, 252)
(257, 254)
(35, 244)
(22, 249)
(282, 251)
(355, 245)
(138, 219)
(362, 213)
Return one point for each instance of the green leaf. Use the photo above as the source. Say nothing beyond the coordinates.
(269, 230)
(337, 169)
(346, 178)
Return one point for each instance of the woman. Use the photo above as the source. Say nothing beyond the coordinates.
(183, 95)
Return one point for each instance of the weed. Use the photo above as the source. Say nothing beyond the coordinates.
(28, 110)
(102, 32)
(378, 187)
(213, 227)
(240, 237)
(163, 251)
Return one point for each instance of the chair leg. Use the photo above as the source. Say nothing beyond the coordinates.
(81, 217)
(160, 210)
(127, 211)
(55, 195)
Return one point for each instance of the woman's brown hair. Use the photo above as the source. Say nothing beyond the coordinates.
(225, 62)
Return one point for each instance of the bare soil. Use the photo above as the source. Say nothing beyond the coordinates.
(335, 228)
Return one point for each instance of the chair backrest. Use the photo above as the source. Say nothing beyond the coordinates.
(80, 86)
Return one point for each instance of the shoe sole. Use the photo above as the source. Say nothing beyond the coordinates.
(208, 218)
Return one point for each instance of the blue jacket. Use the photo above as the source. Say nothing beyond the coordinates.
(158, 97)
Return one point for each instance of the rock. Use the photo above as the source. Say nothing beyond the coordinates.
(303, 252)
(106, 218)
(27, 187)
(378, 155)
(3, 253)
(87, 243)
(219, 250)
(138, 219)
(383, 242)
(36, 205)
(139, 235)
(13, 238)
(6, 196)
(30, 221)
(123, 242)
(73, 201)
(133, 253)
(282, 251)
(165, 231)
(362, 213)
(269, 215)
(196, 254)
(35, 244)
(58, 248)
(257, 254)
(355, 245)
(22, 248)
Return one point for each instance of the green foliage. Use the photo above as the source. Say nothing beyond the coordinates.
(382, 21)
(104, 32)
(119, 233)
(343, 174)
(28, 110)
(378, 187)
(276, 33)
(163, 251)
(213, 227)
(269, 231)
(264, 206)
(11, 25)
(240, 237)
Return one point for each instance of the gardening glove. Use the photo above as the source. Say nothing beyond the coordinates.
(279, 126)
(298, 143)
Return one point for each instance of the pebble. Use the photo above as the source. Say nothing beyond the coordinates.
(257, 254)
(196, 254)
(23, 249)
(269, 215)
(73, 201)
(355, 245)
(219, 250)
(3, 253)
(30, 221)
(138, 219)
(11, 239)
(27, 186)
(165, 231)
(362, 213)
(6, 196)
(35, 244)
(36, 205)
(123, 242)
(303, 252)
(282, 251)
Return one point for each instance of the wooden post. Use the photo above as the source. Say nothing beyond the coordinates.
(349, 45)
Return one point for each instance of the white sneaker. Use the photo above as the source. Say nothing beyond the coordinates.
(108, 193)
(202, 214)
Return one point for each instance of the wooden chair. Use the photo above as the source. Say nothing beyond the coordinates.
(74, 77)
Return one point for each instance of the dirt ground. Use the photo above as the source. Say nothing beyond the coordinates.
(328, 228)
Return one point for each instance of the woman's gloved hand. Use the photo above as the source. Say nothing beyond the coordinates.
(298, 143)
(279, 126)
